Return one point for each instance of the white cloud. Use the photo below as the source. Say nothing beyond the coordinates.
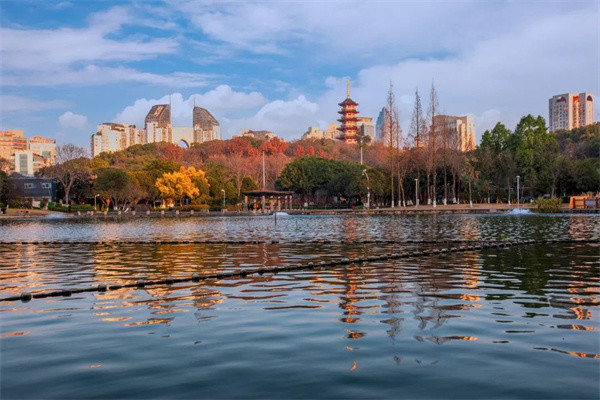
(48, 49)
(234, 111)
(50, 57)
(359, 32)
(70, 120)
(221, 101)
(93, 75)
(288, 119)
(11, 103)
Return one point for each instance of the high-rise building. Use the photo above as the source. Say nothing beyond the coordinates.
(44, 147)
(26, 155)
(115, 136)
(458, 131)
(366, 129)
(206, 127)
(570, 110)
(380, 126)
(158, 124)
(349, 128)
(313, 132)
(10, 142)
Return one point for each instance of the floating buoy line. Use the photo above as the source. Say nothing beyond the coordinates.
(141, 283)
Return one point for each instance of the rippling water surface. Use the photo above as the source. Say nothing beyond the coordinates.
(509, 322)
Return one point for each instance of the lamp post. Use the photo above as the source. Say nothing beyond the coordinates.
(364, 172)
(518, 177)
(95, 201)
(416, 192)
(223, 190)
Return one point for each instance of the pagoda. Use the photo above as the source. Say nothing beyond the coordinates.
(348, 120)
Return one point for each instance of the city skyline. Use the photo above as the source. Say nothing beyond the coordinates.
(68, 67)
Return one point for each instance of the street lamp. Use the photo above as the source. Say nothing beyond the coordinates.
(518, 177)
(223, 190)
(95, 201)
(416, 192)
(364, 172)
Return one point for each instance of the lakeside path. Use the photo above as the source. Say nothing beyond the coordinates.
(409, 210)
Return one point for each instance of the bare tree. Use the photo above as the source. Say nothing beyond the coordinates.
(432, 143)
(444, 131)
(72, 165)
(390, 127)
(400, 157)
(69, 152)
(69, 172)
(418, 125)
(417, 134)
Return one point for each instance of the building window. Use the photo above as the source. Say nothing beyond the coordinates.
(28, 185)
(46, 186)
(22, 163)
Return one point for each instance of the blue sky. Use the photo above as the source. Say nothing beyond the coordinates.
(68, 66)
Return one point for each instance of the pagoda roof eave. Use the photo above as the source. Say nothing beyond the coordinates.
(347, 102)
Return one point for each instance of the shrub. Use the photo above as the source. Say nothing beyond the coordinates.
(43, 203)
(19, 202)
(74, 207)
(82, 207)
(550, 205)
(195, 207)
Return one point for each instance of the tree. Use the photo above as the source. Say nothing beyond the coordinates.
(4, 164)
(417, 134)
(497, 140)
(391, 129)
(183, 183)
(534, 149)
(68, 172)
(432, 113)
(150, 172)
(418, 125)
(112, 184)
(5, 188)
(70, 152)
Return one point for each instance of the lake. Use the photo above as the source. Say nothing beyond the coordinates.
(518, 322)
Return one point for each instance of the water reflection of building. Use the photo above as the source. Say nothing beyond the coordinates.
(24, 269)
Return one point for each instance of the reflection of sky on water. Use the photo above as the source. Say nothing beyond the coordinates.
(516, 313)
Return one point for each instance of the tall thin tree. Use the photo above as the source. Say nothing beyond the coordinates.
(432, 114)
(390, 127)
(417, 133)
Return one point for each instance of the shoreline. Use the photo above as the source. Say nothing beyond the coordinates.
(410, 210)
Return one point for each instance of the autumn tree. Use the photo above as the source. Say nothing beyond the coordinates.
(181, 184)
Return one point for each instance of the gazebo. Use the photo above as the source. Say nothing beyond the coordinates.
(267, 200)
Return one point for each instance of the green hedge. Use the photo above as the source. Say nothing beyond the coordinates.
(550, 205)
(195, 207)
(74, 207)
